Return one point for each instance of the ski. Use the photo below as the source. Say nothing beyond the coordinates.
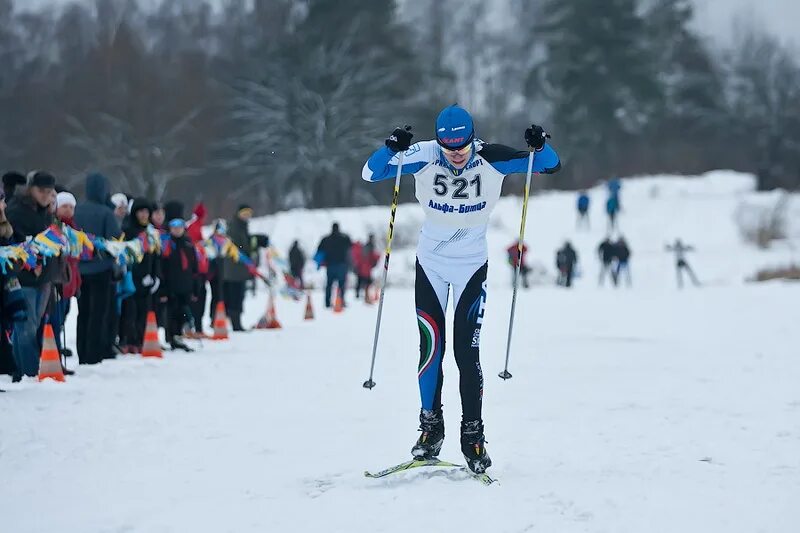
(484, 479)
(408, 465)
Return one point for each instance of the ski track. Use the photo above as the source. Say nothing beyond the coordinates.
(630, 411)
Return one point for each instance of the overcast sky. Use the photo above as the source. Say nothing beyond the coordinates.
(714, 17)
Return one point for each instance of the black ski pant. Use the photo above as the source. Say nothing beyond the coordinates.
(363, 283)
(681, 266)
(134, 318)
(234, 302)
(337, 273)
(199, 304)
(94, 318)
(466, 340)
(178, 313)
(216, 297)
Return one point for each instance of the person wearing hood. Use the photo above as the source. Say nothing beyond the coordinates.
(235, 274)
(29, 214)
(146, 279)
(12, 180)
(297, 262)
(95, 303)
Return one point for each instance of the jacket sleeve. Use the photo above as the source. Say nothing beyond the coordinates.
(510, 161)
(382, 164)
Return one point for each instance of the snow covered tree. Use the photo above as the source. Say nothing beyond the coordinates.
(765, 87)
(599, 77)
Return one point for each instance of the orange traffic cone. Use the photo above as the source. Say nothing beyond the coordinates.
(309, 309)
(272, 315)
(338, 303)
(151, 346)
(50, 362)
(220, 323)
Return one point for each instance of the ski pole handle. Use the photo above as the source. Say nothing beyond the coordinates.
(369, 383)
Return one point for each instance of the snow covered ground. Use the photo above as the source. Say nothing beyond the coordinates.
(632, 410)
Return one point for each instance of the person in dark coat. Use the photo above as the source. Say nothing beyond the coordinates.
(12, 305)
(146, 280)
(235, 274)
(179, 272)
(98, 291)
(623, 255)
(334, 252)
(297, 261)
(566, 260)
(29, 214)
(12, 180)
(606, 253)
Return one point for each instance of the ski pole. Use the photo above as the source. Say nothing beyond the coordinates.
(505, 374)
(369, 383)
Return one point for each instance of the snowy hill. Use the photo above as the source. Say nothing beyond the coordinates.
(656, 210)
(645, 410)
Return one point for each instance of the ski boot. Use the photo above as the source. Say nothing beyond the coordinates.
(473, 446)
(429, 444)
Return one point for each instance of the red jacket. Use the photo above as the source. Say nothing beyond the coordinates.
(194, 228)
(513, 253)
(364, 260)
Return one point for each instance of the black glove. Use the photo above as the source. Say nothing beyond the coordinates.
(535, 136)
(400, 139)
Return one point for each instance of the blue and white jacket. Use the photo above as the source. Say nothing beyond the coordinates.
(457, 203)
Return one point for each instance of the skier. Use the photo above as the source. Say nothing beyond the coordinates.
(612, 208)
(458, 181)
(583, 210)
(566, 259)
(623, 254)
(607, 254)
(513, 257)
(681, 264)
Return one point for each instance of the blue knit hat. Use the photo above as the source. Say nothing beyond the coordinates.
(454, 127)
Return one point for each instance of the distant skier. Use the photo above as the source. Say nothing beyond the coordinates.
(566, 261)
(681, 264)
(513, 256)
(614, 189)
(606, 253)
(612, 208)
(622, 254)
(458, 180)
(583, 210)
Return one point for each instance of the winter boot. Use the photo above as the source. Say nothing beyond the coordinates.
(178, 344)
(473, 446)
(431, 423)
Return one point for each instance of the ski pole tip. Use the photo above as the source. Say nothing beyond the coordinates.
(505, 374)
(368, 384)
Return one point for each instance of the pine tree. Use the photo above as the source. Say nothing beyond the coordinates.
(599, 76)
